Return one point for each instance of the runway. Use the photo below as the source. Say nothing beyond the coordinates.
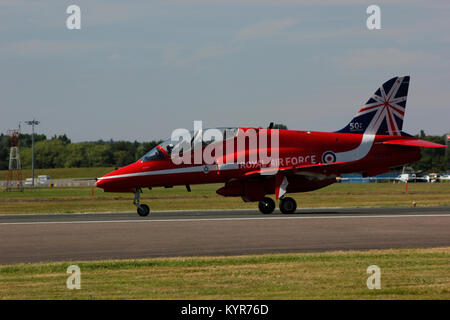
(96, 236)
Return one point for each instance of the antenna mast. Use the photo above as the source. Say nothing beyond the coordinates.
(14, 182)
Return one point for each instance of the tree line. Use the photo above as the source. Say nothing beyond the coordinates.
(60, 152)
(433, 159)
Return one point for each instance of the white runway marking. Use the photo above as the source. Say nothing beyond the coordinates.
(228, 219)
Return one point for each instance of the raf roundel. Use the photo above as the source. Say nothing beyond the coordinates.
(328, 157)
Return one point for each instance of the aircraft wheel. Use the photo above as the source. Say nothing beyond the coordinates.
(143, 210)
(288, 205)
(266, 206)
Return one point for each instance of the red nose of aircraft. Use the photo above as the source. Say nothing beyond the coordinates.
(107, 181)
(100, 183)
(116, 181)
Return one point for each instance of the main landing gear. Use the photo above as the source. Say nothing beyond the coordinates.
(266, 206)
(142, 209)
(287, 205)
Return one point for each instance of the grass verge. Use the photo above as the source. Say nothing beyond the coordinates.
(405, 274)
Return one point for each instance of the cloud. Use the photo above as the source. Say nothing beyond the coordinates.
(13, 3)
(113, 57)
(437, 3)
(212, 50)
(99, 13)
(389, 57)
(173, 55)
(269, 28)
(42, 48)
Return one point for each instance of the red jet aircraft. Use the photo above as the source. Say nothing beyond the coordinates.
(371, 144)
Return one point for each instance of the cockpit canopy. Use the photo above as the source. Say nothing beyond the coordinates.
(197, 138)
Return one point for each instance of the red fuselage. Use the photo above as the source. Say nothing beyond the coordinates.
(296, 149)
(286, 161)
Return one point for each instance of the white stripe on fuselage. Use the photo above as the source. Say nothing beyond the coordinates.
(358, 153)
(166, 171)
(353, 155)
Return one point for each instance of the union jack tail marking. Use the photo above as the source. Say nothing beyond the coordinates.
(384, 111)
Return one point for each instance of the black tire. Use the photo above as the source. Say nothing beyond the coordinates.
(143, 210)
(288, 205)
(267, 206)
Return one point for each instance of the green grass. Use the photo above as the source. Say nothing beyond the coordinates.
(405, 274)
(62, 173)
(80, 199)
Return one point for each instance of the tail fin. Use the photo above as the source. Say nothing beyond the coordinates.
(383, 112)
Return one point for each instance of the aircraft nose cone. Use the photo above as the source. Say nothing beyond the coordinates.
(106, 181)
(100, 183)
(117, 180)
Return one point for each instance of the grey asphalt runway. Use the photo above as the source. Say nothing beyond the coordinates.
(76, 237)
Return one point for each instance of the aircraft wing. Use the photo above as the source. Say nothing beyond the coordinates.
(414, 143)
(295, 169)
(319, 171)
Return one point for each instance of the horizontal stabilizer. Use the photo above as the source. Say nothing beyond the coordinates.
(414, 143)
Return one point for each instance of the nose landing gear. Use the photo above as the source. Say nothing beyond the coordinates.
(142, 209)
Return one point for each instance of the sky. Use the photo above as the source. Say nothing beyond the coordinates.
(137, 70)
